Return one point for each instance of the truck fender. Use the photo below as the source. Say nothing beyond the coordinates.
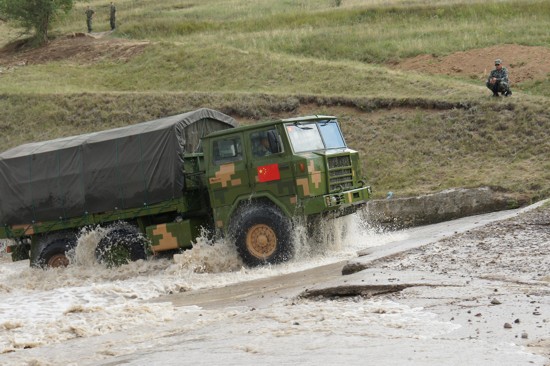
(262, 197)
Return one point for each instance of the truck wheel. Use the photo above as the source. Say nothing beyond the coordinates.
(262, 235)
(120, 246)
(54, 254)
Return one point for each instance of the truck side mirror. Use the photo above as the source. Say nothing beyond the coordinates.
(273, 141)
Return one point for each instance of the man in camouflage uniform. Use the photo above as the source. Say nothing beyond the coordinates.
(89, 15)
(498, 80)
(112, 16)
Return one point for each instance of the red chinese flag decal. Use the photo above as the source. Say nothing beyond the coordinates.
(267, 173)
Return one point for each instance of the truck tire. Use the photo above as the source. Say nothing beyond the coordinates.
(262, 234)
(121, 244)
(55, 248)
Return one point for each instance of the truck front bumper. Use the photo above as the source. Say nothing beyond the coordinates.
(347, 201)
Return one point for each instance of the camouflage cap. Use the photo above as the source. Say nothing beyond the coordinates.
(498, 61)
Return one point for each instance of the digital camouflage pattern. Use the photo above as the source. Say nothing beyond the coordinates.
(225, 176)
(502, 83)
(174, 235)
(501, 75)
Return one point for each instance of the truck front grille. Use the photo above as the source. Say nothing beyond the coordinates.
(340, 173)
(339, 161)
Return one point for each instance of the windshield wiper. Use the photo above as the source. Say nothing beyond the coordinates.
(297, 124)
(324, 123)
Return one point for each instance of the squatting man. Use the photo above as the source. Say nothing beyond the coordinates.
(498, 80)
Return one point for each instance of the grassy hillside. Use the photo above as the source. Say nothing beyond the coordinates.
(267, 59)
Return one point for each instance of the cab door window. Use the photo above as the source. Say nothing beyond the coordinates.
(227, 150)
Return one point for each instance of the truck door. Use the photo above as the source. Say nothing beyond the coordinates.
(269, 166)
(227, 175)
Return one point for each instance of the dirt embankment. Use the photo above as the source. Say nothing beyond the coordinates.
(524, 63)
(79, 48)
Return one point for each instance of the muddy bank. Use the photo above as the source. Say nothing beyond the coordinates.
(397, 213)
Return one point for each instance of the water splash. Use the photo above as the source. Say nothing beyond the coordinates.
(334, 240)
(210, 255)
(340, 237)
(84, 252)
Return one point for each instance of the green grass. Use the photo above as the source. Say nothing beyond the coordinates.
(223, 69)
(269, 59)
(382, 34)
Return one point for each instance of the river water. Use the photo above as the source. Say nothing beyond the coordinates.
(40, 307)
(87, 314)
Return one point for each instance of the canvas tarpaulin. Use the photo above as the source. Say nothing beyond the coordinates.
(128, 167)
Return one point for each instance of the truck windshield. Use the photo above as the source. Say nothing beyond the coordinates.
(311, 136)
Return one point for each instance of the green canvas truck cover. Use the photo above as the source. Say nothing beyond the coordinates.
(128, 167)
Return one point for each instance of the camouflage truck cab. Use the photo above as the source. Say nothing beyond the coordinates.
(261, 176)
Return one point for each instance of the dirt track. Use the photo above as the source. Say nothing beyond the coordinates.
(79, 48)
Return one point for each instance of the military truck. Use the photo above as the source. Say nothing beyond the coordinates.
(154, 186)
